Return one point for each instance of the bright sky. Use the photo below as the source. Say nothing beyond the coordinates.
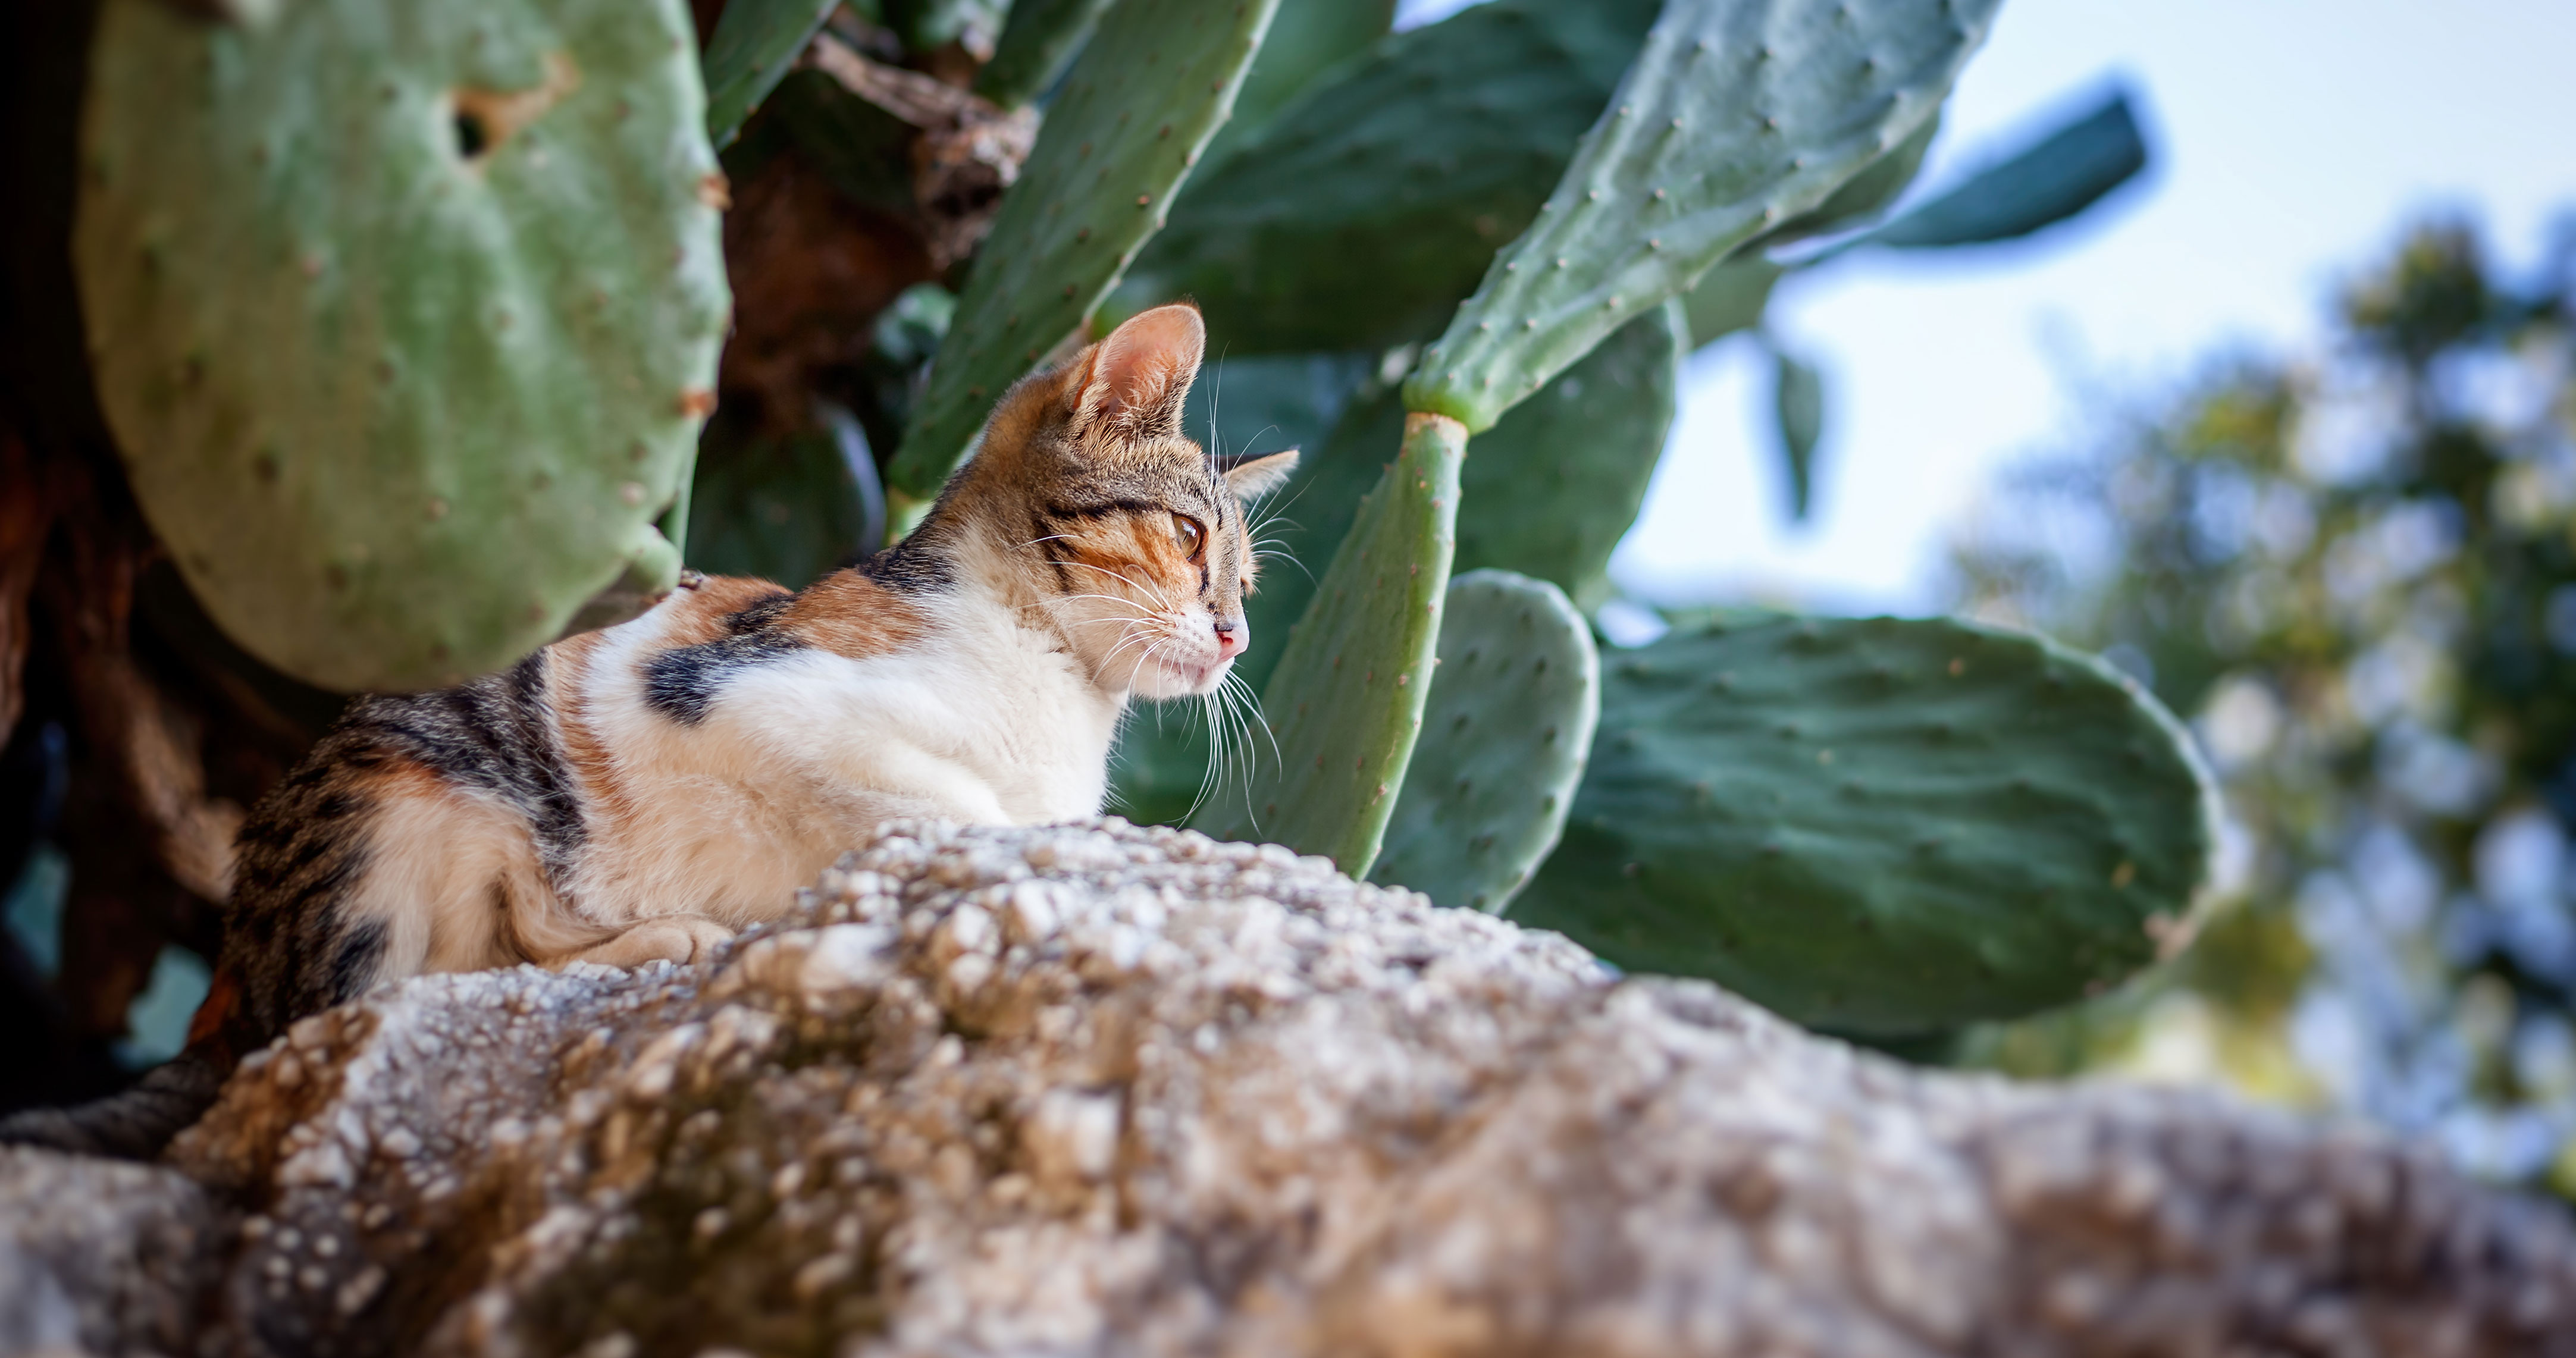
(2291, 140)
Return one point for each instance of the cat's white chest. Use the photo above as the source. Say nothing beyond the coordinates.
(800, 756)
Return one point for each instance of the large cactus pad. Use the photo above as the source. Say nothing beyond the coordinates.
(404, 315)
(1366, 209)
(1504, 738)
(1879, 826)
(1736, 116)
(1552, 489)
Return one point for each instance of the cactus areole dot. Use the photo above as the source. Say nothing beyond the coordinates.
(370, 256)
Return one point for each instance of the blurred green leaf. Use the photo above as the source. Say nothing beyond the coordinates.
(749, 53)
(1730, 297)
(787, 509)
(2061, 174)
(1307, 39)
(1360, 216)
(1798, 403)
(1110, 156)
(1036, 45)
(862, 150)
(1551, 490)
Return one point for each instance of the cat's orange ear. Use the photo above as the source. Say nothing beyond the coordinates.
(1140, 375)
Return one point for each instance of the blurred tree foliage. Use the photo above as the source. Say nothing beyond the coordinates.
(2359, 575)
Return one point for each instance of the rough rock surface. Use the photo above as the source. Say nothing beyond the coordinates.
(1102, 1089)
(102, 1257)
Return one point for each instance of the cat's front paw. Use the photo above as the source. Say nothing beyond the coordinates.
(671, 938)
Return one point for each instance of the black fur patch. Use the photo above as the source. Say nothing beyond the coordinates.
(681, 684)
(759, 615)
(493, 734)
(908, 566)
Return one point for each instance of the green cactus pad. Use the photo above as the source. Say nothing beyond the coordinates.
(1549, 492)
(2062, 173)
(787, 509)
(1553, 488)
(405, 316)
(1736, 116)
(1879, 826)
(1308, 39)
(1314, 513)
(1037, 42)
(1504, 739)
(1798, 414)
(750, 52)
(1148, 91)
(1862, 196)
(1730, 297)
(1248, 405)
(1345, 702)
(1362, 214)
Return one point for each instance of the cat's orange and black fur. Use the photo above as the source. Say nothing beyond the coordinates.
(644, 792)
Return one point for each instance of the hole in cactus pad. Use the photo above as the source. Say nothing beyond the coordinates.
(486, 118)
(472, 139)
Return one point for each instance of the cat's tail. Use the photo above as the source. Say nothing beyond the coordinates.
(137, 1123)
(132, 1125)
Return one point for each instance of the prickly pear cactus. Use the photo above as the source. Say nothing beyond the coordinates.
(1504, 739)
(404, 315)
(789, 509)
(754, 44)
(1730, 297)
(1552, 489)
(1345, 702)
(1879, 826)
(1148, 91)
(1862, 196)
(1736, 116)
(2044, 183)
(1361, 214)
(1038, 40)
(1549, 492)
(1308, 39)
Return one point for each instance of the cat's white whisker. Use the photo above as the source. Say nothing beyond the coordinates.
(1159, 596)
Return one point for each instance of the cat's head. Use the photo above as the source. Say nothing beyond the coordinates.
(1135, 539)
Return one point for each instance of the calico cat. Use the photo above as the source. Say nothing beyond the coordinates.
(643, 792)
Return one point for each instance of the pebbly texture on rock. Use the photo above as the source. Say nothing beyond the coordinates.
(1100, 1089)
(102, 1257)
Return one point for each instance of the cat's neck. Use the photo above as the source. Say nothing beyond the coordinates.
(993, 583)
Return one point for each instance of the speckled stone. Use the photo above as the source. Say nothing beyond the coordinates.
(1099, 1089)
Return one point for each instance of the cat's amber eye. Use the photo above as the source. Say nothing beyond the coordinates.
(1191, 535)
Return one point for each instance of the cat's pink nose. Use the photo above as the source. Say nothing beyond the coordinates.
(1230, 640)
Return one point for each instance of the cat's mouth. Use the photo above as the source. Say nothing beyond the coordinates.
(1191, 676)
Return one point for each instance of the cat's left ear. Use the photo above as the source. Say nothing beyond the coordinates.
(1140, 376)
(1250, 478)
